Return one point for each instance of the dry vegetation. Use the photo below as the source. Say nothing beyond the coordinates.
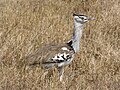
(26, 25)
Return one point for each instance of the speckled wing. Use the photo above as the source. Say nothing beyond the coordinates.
(50, 55)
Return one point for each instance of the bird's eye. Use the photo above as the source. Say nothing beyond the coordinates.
(82, 18)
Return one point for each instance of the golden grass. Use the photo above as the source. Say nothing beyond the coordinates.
(26, 25)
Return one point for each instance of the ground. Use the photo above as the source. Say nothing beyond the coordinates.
(26, 25)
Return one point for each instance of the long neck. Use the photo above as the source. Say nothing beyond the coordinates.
(77, 34)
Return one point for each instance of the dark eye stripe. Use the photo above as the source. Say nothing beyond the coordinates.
(81, 17)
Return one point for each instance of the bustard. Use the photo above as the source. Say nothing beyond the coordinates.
(60, 55)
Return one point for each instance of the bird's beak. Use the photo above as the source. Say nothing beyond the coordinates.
(91, 18)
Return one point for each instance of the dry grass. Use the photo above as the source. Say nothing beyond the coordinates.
(26, 25)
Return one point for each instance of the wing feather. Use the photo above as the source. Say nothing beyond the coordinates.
(47, 54)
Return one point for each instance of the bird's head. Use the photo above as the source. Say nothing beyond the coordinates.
(81, 18)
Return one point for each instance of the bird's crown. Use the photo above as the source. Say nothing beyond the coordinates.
(81, 18)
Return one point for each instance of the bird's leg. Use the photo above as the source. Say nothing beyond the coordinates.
(60, 71)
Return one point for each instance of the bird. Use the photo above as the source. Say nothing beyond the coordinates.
(60, 55)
